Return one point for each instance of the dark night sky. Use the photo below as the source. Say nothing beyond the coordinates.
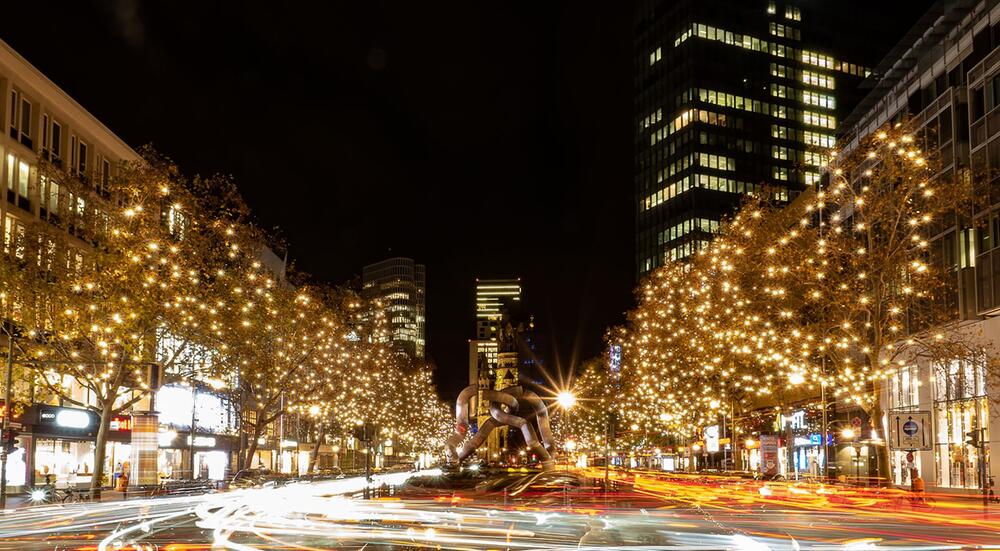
(486, 139)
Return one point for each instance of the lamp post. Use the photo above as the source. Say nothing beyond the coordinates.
(570, 446)
(566, 401)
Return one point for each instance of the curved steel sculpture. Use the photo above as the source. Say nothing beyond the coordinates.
(515, 407)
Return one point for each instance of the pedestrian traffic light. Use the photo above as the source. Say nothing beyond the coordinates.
(972, 438)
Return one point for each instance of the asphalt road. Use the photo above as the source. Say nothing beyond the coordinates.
(551, 512)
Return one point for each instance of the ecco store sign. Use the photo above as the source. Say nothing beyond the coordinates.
(69, 420)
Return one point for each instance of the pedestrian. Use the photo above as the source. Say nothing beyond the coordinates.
(917, 486)
(124, 484)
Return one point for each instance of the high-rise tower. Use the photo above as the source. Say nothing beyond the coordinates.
(730, 97)
(400, 285)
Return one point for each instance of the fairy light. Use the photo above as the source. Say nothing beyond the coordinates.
(771, 303)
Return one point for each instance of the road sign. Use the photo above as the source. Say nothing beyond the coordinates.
(911, 430)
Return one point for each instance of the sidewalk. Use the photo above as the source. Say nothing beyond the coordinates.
(20, 501)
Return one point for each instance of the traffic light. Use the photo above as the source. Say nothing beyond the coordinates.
(972, 438)
(10, 441)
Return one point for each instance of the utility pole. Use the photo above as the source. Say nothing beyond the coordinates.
(240, 463)
(194, 421)
(8, 375)
(281, 432)
(826, 432)
(607, 449)
(983, 483)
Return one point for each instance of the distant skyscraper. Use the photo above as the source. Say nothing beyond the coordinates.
(496, 299)
(730, 96)
(400, 285)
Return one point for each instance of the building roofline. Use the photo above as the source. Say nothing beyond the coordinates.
(925, 34)
(64, 101)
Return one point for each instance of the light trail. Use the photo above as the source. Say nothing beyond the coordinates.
(652, 511)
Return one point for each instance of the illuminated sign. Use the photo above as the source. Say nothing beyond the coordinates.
(796, 420)
(166, 438)
(712, 439)
(121, 424)
(615, 360)
(202, 441)
(72, 419)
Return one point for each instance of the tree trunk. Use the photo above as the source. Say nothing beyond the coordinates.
(252, 446)
(319, 442)
(883, 469)
(99, 450)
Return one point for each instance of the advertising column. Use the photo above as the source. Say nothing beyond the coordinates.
(769, 454)
(145, 468)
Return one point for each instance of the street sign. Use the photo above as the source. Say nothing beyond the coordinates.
(911, 430)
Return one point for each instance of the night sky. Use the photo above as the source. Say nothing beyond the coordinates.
(483, 139)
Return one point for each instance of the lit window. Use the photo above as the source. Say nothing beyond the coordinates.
(779, 173)
(817, 79)
(655, 56)
(819, 119)
(817, 139)
(816, 159)
(818, 99)
(819, 60)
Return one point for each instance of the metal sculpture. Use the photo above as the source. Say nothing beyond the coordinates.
(515, 407)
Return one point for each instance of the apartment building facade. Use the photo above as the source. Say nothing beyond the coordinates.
(42, 124)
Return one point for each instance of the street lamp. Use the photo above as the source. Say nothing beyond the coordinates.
(566, 399)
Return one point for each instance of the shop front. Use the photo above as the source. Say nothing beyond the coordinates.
(215, 445)
(961, 408)
(213, 455)
(58, 446)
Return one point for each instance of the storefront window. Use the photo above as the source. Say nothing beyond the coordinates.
(175, 404)
(170, 463)
(960, 407)
(16, 468)
(67, 464)
(211, 465)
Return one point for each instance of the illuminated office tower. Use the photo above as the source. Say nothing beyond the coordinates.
(729, 97)
(400, 285)
(503, 354)
(496, 299)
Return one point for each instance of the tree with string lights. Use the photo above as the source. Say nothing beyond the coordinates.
(98, 299)
(877, 293)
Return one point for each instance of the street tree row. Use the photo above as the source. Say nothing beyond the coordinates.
(833, 292)
(157, 277)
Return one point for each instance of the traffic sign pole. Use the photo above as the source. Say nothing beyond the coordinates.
(8, 410)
